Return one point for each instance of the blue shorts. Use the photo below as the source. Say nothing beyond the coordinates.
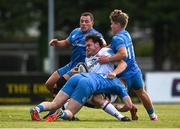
(81, 86)
(135, 82)
(78, 88)
(65, 70)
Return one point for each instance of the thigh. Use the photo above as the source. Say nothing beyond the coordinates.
(136, 82)
(53, 79)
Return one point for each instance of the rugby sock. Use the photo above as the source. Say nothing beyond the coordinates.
(65, 105)
(51, 112)
(39, 108)
(110, 109)
(64, 116)
(151, 112)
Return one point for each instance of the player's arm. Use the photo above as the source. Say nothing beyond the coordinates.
(121, 54)
(59, 43)
(120, 68)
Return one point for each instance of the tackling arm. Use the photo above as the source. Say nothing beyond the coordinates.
(121, 54)
(120, 68)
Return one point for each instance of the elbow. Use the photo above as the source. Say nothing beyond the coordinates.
(125, 55)
(124, 66)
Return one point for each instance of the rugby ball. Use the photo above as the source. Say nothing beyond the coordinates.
(82, 68)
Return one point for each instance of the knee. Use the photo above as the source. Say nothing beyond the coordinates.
(49, 86)
(97, 100)
(67, 115)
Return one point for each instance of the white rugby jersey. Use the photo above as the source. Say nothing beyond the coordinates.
(94, 66)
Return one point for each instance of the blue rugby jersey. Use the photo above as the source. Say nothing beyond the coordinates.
(101, 84)
(123, 39)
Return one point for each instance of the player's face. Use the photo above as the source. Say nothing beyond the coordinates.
(91, 48)
(115, 27)
(85, 23)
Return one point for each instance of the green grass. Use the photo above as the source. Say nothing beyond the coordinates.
(18, 117)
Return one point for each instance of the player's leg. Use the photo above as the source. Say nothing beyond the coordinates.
(55, 82)
(133, 109)
(79, 97)
(59, 100)
(100, 100)
(121, 91)
(123, 108)
(56, 79)
(128, 106)
(137, 84)
(72, 108)
(147, 103)
(50, 83)
(60, 83)
(113, 86)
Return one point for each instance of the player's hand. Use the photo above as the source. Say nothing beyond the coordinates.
(103, 59)
(74, 70)
(53, 42)
(111, 75)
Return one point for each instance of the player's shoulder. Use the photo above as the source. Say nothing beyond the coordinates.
(94, 31)
(105, 51)
(122, 35)
(118, 37)
(76, 30)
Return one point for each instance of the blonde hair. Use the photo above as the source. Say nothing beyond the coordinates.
(120, 17)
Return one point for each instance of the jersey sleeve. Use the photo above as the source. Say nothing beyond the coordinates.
(117, 42)
(69, 38)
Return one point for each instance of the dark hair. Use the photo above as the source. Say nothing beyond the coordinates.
(88, 14)
(95, 38)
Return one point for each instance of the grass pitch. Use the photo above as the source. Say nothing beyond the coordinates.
(19, 117)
